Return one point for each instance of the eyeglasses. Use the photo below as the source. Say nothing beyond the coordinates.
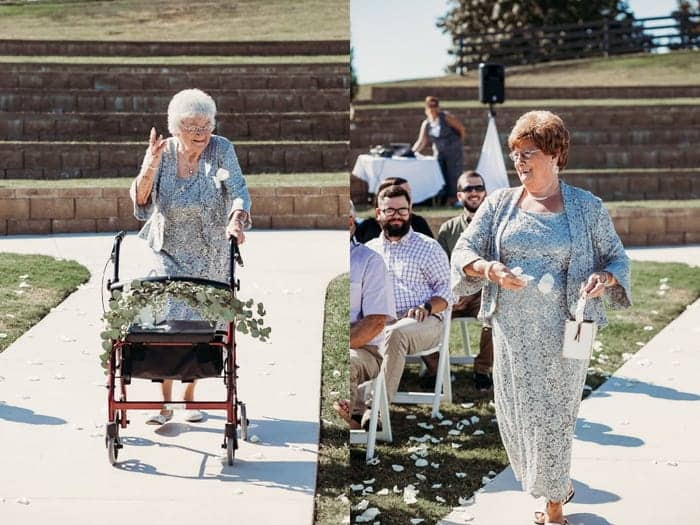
(478, 187)
(193, 130)
(517, 156)
(390, 212)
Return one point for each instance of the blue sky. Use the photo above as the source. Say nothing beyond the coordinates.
(397, 39)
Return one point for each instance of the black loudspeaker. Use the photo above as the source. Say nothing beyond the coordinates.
(492, 83)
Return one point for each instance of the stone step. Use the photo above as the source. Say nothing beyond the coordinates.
(228, 101)
(115, 127)
(605, 138)
(125, 48)
(582, 117)
(602, 156)
(59, 160)
(149, 78)
(395, 94)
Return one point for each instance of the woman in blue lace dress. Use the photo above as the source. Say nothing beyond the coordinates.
(191, 191)
(535, 249)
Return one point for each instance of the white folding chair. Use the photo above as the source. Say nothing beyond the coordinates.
(443, 383)
(467, 358)
(380, 408)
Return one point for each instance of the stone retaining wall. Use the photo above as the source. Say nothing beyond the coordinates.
(89, 210)
(122, 48)
(643, 226)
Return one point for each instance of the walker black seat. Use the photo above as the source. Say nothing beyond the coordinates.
(180, 350)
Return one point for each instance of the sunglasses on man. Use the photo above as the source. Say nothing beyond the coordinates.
(478, 187)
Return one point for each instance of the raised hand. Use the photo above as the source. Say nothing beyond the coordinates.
(156, 145)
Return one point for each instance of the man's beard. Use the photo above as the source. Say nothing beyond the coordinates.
(393, 230)
(469, 207)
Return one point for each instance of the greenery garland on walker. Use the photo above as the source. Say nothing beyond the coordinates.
(213, 304)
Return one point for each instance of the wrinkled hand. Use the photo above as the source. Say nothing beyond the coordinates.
(500, 274)
(235, 229)
(595, 286)
(418, 313)
(155, 146)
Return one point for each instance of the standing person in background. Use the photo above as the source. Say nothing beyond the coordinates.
(471, 192)
(446, 133)
(370, 229)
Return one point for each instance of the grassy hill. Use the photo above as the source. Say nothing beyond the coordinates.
(182, 20)
(680, 68)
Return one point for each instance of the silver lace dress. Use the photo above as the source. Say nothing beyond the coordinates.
(537, 391)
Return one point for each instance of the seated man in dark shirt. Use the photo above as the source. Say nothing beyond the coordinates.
(370, 229)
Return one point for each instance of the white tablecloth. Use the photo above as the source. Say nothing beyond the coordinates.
(423, 174)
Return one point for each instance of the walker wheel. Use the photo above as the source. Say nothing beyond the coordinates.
(231, 449)
(112, 450)
(244, 422)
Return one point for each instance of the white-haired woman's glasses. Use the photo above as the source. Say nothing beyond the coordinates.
(193, 130)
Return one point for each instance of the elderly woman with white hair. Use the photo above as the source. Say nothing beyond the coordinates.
(191, 191)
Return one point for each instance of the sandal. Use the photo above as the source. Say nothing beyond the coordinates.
(540, 516)
(160, 418)
(194, 416)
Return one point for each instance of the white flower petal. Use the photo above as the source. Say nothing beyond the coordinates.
(421, 477)
(23, 501)
(254, 439)
(456, 445)
(336, 373)
(467, 405)
(373, 461)
(485, 480)
(421, 462)
(492, 473)
(396, 490)
(383, 492)
(463, 502)
(367, 515)
(435, 465)
(475, 420)
(461, 475)
(426, 426)
(436, 486)
(416, 521)
(369, 481)
(362, 505)
(357, 487)
(440, 499)
(397, 468)
(25, 276)
(454, 432)
(410, 416)
(648, 328)
(478, 433)
(446, 423)
(585, 425)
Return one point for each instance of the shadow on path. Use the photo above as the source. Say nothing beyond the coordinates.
(598, 433)
(633, 386)
(25, 415)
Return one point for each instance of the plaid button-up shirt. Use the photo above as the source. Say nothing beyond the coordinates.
(419, 268)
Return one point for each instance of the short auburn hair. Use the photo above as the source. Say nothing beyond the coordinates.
(546, 130)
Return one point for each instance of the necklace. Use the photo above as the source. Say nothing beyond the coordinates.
(556, 190)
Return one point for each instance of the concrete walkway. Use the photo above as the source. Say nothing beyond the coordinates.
(636, 458)
(52, 453)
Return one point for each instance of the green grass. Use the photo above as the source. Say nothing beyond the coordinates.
(478, 455)
(333, 463)
(262, 180)
(178, 60)
(181, 20)
(50, 281)
(676, 68)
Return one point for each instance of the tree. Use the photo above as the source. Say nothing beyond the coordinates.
(485, 28)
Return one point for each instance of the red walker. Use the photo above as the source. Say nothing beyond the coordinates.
(182, 350)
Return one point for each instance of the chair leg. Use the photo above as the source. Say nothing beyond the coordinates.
(380, 405)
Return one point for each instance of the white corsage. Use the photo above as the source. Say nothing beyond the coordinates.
(221, 175)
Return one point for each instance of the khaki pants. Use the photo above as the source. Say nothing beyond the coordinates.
(468, 306)
(406, 337)
(365, 363)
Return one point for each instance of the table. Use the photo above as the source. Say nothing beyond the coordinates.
(423, 174)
